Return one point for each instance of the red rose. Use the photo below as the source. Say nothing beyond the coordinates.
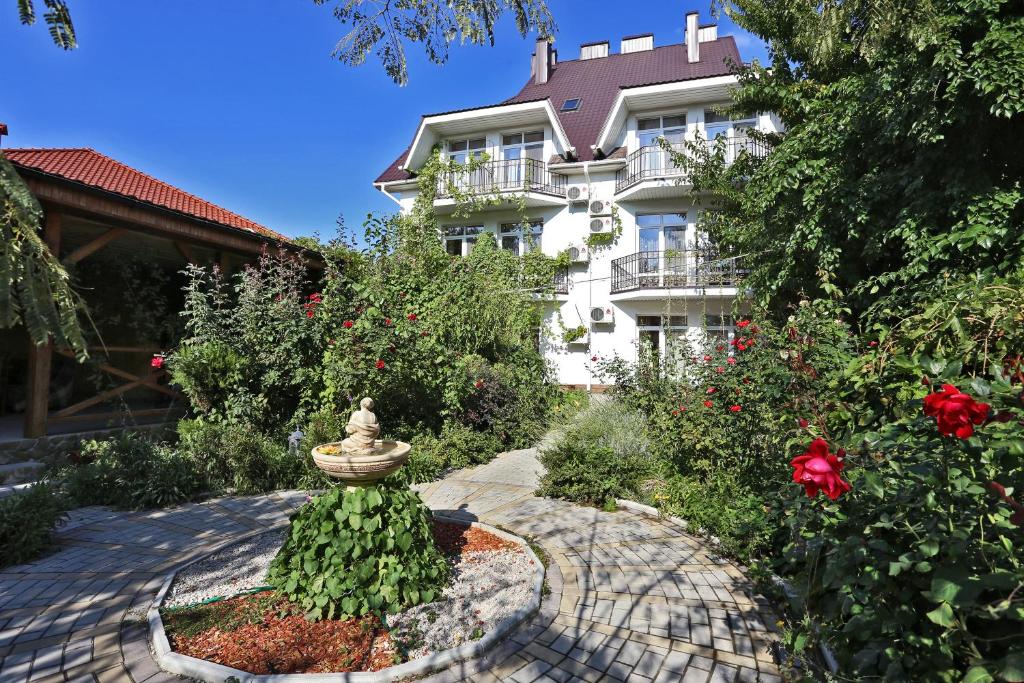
(872, 344)
(309, 312)
(707, 358)
(751, 342)
(731, 361)
(741, 347)
(593, 359)
(423, 333)
(682, 409)
(478, 384)
(387, 321)
(347, 324)
(735, 409)
(157, 362)
(818, 470)
(675, 412)
(379, 364)
(315, 297)
(719, 369)
(743, 323)
(803, 423)
(708, 404)
(711, 390)
(720, 348)
(955, 411)
(411, 316)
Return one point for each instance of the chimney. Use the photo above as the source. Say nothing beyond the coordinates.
(3, 132)
(640, 43)
(692, 38)
(594, 50)
(543, 60)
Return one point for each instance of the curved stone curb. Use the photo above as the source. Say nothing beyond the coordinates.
(216, 673)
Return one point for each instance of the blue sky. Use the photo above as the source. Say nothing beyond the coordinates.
(239, 101)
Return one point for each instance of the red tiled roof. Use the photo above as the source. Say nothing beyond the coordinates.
(598, 82)
(89, 167)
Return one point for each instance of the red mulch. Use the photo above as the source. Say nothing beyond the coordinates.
(456, 539)
(285, 642)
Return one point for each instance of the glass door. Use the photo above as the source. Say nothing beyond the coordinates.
(663, 253)
(461, 151)
(521, 154)
(735, 133)
(655, 161)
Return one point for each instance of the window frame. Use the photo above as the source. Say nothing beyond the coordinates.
(524, 243)
(465, 238)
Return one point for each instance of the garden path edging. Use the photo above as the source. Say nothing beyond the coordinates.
(211, 672)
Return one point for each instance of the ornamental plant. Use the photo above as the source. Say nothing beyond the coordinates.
(360, 551)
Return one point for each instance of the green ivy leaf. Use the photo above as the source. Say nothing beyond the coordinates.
(942, 615)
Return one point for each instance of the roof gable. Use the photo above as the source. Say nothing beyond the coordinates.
(89, 167)
(598, 82)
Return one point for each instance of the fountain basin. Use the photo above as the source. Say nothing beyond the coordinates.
(386, 457)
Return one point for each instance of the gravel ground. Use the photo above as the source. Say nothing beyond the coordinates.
(236, 568)
(486, 587)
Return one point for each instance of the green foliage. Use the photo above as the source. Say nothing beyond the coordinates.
(253, 345)
(130, 471)
(57, 18)
(383, 30)
(367, 550)
(603, 455)
(232, 456)
(26, 520)
(34, 287)
(902, 154)
(457, 447)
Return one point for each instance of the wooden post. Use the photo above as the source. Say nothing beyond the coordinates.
(39, 357)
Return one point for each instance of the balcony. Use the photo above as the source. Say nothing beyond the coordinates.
(697, 269)
(528, 177)
(560, 282)
(655, 163)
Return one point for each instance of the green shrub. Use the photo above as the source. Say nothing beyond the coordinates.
(368, 550)
(457, 447)
(26, 520)
(234, 457)
(130, 471)
(601, 456)
(726, 509)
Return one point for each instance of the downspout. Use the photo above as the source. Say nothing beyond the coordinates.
(590, 292)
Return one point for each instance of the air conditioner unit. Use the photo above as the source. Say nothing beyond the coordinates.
(602, 315)
(578, 194)
(600, 207)
(579, 253)
(600, 224)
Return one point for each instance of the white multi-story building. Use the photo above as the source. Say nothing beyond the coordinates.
(580, 146)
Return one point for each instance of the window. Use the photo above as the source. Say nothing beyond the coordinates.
(659, 334)
(461, 150)
(459, 241)
(572, 104)
(720, 326)
(517, 151)
(671, 128)
(661, 238)
(519, 239)
(734, 130)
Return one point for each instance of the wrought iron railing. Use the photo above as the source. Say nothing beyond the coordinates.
(654, 161)
(691, 268)
(561, 281)
(507, 175)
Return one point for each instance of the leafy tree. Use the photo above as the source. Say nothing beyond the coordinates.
(902, 156)
(383, 26)
(57, 18)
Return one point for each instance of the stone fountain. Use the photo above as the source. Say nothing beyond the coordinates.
(361, 458)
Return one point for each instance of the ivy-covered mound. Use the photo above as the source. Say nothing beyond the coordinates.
(351, 553)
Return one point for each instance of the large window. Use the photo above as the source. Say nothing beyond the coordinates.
(659, 334)
(519, 239)
(459, 240)
(516, 149)
(461, 151)
(650, 130)
(662, 241)
(734, 130)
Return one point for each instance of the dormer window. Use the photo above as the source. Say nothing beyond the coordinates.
(572, 104)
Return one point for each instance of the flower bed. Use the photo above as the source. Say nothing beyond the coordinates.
(495, 584)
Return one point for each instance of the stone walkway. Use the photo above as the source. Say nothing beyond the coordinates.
(633, 598)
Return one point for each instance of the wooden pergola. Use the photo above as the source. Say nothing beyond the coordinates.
(94, 203)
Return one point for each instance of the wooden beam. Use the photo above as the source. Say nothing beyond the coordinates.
(98, 398)
(92, 247)
(186, 251)
(117, 372)
(40, 356)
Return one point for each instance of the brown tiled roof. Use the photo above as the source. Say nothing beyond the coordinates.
(89, 167)
(598, 81)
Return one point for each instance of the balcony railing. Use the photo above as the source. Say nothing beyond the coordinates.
(654, 162)
(561, 281)
(507, 175)
(692, 268)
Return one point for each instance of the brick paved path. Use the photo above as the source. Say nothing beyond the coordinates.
(632, 598)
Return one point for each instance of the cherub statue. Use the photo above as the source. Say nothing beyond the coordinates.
(362, 429)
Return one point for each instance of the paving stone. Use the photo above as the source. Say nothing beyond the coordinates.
(632, 588)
